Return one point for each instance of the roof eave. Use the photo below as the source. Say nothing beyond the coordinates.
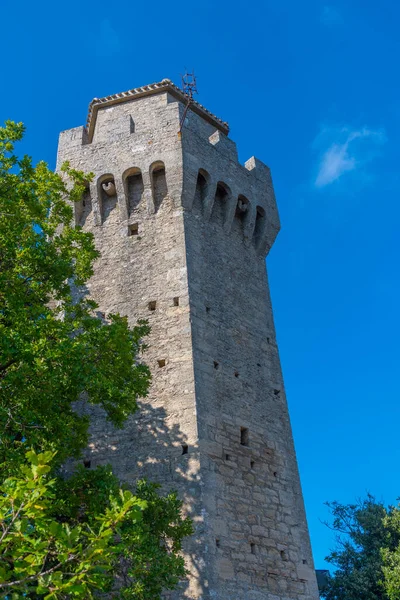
(149, 90)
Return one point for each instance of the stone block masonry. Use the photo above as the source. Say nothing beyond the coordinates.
(183, 230)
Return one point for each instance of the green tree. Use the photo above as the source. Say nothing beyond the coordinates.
(391, 555)
(54, 348)
(362, 531)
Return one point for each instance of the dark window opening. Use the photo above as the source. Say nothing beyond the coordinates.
(218, 543)
(201, 192)
(134, 188)
(244, 436)
(227, 457)
(277, 392)
(252, 463)
(207, 309)
(176, 301)
(305, 562)
(236, 373)
(160, 189)
(133, 229)
(260, 224)
(152, 305)
(82, 210)
(220, 203)
(161, 362)
(216, 365)
(284, 555)
(253, 548)
(242, 207)
(185, 449)
(108, 197)
(87, 463)
(131, 125)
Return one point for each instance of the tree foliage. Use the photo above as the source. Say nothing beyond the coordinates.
(391, 554)
(363, 530)
(64, 538)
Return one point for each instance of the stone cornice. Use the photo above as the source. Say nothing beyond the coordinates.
(165, 85)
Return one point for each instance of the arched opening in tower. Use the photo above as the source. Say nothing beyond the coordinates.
(107, 196)
(201, 190)
(241, 212)
(134, 189)
(159, 184)
(222, 196)
(84, 207)
(259, 226)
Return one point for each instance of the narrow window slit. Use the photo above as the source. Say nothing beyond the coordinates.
(252, 463)
(133, 229)
(176, 301)
(244, 436)
(218, 543)
(87, 463)
(216, 364)
(185, 449)
(252, 548)
(236, 373)
(227, 457)
(152, 305)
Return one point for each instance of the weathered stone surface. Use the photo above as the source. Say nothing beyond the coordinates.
(183, 231)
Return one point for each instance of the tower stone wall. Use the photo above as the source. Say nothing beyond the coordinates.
(183, 229)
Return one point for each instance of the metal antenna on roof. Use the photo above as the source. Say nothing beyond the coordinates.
(189, 88)
(189, 84)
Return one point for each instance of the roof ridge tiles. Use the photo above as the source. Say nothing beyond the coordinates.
(165, 84)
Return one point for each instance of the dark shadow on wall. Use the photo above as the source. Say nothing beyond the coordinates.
(149, 448)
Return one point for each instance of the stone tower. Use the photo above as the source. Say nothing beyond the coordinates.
(183, 229)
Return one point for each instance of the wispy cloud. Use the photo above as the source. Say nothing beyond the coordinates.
(331, 16)
(108, 42)
(344, 150)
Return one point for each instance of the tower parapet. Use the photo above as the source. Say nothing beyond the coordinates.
(183, 229)
(203, 163)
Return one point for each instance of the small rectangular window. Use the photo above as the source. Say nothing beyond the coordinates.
(244, 436)
(152, 305)
(133, 229)
(161, 362)
(176, 301)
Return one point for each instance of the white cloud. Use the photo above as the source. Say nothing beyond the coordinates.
(345, 150)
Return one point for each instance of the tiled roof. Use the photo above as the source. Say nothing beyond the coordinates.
(165, 85)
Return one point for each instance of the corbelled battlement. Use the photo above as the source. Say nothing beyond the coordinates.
(151, 163)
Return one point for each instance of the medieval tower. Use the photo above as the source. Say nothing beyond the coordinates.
(183, 229)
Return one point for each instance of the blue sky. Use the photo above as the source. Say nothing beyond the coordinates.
(310, 88)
